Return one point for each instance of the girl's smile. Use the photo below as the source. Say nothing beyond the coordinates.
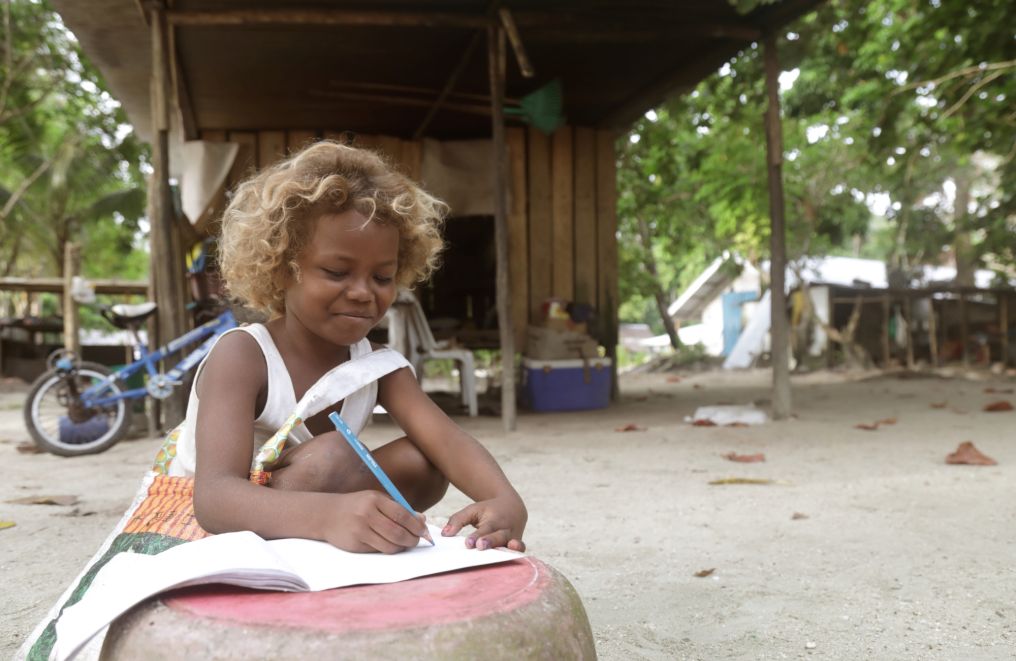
(345, 280)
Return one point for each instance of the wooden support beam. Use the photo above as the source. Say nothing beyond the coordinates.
(496, 67)
(166, 248)
(188, 121)
(56, 286)
(508, 23)
(779, 330)
(324, 17)
(429, 94)
(405, 101)
(606, 250)
(72, 266)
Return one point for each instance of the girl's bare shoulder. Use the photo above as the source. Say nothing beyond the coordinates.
(237, 359)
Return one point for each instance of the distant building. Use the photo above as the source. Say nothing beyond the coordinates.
(720, 304)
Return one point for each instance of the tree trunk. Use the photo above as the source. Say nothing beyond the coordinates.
(646, 237)
(964, 252)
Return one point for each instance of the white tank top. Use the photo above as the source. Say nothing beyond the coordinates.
(354, 382)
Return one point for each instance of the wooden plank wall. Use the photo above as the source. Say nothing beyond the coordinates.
(259, 149)
(562, 218)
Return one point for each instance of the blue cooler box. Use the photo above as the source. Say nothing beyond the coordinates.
(566, 385)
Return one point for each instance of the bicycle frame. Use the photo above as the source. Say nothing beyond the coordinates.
(148, 360)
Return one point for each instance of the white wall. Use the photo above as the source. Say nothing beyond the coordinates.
(712, 315)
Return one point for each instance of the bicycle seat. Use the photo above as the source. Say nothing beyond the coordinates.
(123, 315)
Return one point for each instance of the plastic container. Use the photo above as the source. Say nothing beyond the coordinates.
(566, 385)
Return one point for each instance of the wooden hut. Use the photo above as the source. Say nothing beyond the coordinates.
(410, 79)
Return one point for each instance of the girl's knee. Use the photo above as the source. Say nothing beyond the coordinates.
(419, 480)
(320, 464)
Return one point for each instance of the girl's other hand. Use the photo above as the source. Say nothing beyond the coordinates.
(369, 521)
(498, 522)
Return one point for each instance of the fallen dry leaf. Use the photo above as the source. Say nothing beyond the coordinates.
(703, 422)
(797, 516)
(745, 458)
(45, 500)
(1000, 405)
(939, 405)
(697, 386)
(999, 391)
(702, 573)
(874, 425)
(736, 424)
(673, 379)
(631, 426)
(28, 448)
(966, 453)
(742, 480)
(7, 524)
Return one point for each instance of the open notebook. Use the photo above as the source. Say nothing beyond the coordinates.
(243, 558)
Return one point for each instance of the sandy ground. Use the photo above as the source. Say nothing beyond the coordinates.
(898, 555)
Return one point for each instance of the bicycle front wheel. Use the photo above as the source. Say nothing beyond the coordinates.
(59, 423)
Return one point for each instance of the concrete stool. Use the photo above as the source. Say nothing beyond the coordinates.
(521, 609)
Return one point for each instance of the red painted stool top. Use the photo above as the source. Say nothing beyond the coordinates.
(443, 598)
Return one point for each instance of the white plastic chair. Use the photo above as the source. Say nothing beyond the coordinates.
(410, 334)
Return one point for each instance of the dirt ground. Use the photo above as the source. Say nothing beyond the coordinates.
(867, 546)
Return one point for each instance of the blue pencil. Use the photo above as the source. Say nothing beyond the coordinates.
(365, 455)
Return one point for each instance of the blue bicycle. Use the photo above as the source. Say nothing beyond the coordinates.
(79, 407)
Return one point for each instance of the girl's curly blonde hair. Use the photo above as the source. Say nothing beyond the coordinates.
(269, 220)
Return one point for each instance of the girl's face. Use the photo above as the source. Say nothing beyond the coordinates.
(347, 277)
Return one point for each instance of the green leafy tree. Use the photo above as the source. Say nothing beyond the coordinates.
(71, 166)
(903, 104)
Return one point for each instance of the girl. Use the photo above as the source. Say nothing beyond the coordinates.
(321, 242)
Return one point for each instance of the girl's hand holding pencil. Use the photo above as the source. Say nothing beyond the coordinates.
(370, 521)
(498, 522)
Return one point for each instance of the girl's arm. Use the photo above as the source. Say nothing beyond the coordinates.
(225, 500)
(498, 514)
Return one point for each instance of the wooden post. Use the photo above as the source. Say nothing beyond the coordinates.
(932, 331)
(887, 309)
(606, 250)
(496, 64)
(778, 259)
(1003, 327)
(72, 266)
(964, 329)
(167, 253)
